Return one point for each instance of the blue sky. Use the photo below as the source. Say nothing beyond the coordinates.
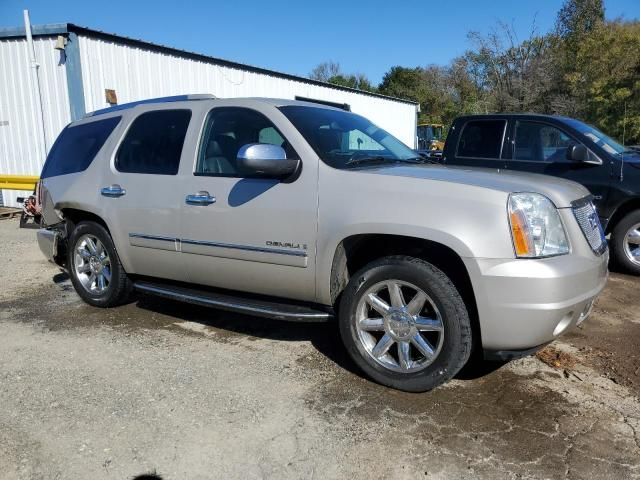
(294, 36)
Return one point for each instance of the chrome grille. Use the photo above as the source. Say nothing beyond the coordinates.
(587, 217)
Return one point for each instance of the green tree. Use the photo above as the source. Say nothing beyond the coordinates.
(358, 81)
(577, 18)
(606, 79)
(404, 83)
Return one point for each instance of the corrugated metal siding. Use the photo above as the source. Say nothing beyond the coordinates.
(137, 73)
(20, 146)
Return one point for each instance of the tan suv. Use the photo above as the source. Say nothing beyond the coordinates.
(303, 212)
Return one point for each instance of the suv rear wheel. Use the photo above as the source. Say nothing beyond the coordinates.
(404, 323)
(96, 272)
(625, 243)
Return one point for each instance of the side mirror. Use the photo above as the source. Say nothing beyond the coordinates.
(577, 153)
(265, 161)
(581, 154)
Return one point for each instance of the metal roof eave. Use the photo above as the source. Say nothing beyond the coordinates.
(63, 28)
(49, 29)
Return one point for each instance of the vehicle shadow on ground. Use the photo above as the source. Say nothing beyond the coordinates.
(324, 337)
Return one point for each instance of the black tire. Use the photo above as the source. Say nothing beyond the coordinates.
(120, 286)
(457, 342)
(618, 253)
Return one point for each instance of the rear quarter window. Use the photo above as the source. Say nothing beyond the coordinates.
(482, 139)
(77, 146)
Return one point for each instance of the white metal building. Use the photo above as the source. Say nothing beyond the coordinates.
(77, 65)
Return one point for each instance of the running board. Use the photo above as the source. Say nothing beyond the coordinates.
(249, 306)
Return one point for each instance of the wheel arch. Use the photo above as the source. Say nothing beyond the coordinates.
(72, 217)
(355, 251)
(622, 211)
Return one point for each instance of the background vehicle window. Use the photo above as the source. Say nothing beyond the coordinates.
(76, 147)
(539, 142)
(227, 130)
(482, 139)
(345, 140)
(154, 143)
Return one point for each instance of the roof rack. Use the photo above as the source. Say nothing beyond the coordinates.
(174, 98)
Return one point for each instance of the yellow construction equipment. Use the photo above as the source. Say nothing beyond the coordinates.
(430, 136)
(18, 182)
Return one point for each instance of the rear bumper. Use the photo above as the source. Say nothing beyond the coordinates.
(524, 304)
(48, 243)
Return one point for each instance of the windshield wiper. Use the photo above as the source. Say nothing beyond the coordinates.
(422, 159)
(369, 160)
(381, 159)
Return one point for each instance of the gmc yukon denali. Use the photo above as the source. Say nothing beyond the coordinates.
(303, 212)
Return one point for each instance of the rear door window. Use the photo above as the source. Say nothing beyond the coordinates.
(77, 146)
(482, 139)
(153, 144)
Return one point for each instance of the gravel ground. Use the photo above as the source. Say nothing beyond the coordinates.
(190, 393)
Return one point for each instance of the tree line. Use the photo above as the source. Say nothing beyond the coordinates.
(587, 67)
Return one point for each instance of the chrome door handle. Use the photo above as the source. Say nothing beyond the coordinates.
(113, 191)
(200, 198)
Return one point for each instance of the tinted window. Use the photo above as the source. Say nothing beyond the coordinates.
(77, 146)
(344, 139)
(154, 143)
(227, 129)
(482, 139)
(540, 142)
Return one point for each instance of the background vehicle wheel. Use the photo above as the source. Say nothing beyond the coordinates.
(96, 272)
(404, 323)
(625, 243)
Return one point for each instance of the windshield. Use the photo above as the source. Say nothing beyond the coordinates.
(425, 132)
(344, 140)
(596, 136)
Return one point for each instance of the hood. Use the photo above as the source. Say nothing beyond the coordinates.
(632, 159)
(560, 191)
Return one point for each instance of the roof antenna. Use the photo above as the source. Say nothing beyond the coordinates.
(624, 132)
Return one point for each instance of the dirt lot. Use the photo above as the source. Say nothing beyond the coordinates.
(191, 393)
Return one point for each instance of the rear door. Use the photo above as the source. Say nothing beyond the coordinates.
(541, 147)
(141, 193)
(480, 143)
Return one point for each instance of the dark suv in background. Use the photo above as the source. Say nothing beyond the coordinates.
(562, 147)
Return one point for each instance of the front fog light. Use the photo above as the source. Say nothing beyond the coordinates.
(536, 228)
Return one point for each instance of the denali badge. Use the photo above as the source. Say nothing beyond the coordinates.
(299, 246)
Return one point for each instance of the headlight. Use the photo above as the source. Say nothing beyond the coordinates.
(536, 228)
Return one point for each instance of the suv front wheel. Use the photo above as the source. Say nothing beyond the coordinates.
(96, 272)
(404, 323)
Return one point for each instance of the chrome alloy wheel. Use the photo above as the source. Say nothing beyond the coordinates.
(402, 336)
(632, 244)
(92, 264)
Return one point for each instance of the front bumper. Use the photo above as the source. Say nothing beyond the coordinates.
(523, 304)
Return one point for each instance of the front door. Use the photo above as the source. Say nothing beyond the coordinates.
(141, 194)
(248, 234)
(540, 147)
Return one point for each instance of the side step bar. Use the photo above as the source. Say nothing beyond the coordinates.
(249, 306)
